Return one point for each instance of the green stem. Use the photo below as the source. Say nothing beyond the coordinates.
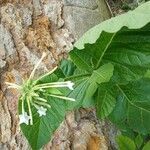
(23, 105)
(29, 108)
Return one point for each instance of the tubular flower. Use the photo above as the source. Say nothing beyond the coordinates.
(31, 93)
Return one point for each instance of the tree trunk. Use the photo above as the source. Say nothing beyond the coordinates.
(27, 29)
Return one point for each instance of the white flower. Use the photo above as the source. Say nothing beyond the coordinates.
(62, 97)
(24, 118)
(70, 85)
(41, 111)
(67, 84)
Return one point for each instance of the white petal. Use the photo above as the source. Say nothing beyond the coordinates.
(70, 85)
(24, 118)
(41, 111)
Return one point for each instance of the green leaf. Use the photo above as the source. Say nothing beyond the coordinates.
(86, 84)
(88, 102)
(105, 101)
(122, 41)
(137, 98)
(125, 143)
(118, 115)
(78, 93)
(91, 89)
(132, 110)
(67, 67)
(90, 58)
(85, 87)
(146, 146)
(101, 75)
(82, 60)
(44, 127)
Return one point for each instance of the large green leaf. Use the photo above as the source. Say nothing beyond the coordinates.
(137, 98)
(122, 41)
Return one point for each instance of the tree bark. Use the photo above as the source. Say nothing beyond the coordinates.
(28, 28)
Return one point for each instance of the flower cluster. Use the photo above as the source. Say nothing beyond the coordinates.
(30, 95)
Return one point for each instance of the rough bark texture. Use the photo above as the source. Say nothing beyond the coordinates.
(27, 28)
